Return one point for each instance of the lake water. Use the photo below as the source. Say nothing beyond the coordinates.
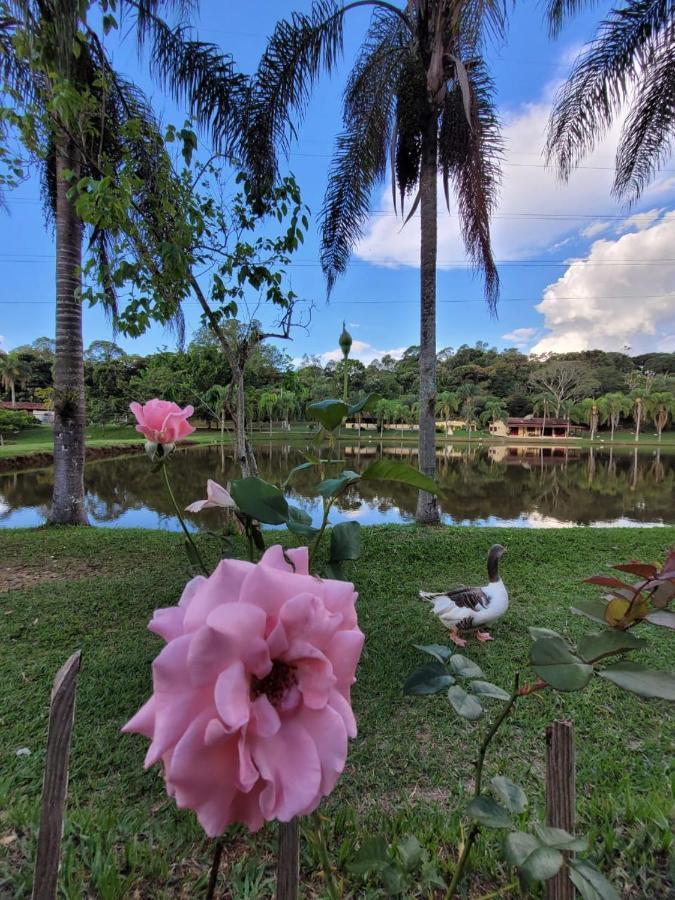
(483, 485)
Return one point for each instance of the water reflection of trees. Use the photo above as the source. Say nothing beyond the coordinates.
(578, 486)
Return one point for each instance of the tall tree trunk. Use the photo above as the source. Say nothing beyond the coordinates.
(12, 390)
(242, 448)
(69, 412)
(427, 504)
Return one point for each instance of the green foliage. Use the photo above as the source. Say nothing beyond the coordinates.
(558, 666)
(260, 500)
(14, 420)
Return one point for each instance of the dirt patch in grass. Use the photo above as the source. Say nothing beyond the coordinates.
(19, 576)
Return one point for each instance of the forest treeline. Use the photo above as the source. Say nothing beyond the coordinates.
(478, 383)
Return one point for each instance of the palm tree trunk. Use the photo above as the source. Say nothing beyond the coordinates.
(427, 504)
(69, 412)
(13, 393)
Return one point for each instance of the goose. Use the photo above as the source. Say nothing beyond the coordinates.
(467, 608)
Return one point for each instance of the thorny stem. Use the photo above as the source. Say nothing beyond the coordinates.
(182, 522)
(331, 887)
(213, 877)
(475, 828)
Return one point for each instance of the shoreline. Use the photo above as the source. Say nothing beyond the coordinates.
(42, 458)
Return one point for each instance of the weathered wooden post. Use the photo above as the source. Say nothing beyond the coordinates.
(55, 784)
(288, 863)
(560, 796)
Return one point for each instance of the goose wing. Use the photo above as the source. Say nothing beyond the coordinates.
(468, 597)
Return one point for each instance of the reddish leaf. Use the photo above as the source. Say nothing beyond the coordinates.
(642, 570)
(620, 592)
(668, 570)
(608, 581)
(663, 594)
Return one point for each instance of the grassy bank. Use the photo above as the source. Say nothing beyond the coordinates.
(410, 769)
(37, 441)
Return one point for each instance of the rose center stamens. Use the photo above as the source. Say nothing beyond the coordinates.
(275, 684)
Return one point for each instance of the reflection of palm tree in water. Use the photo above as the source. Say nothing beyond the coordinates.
(657, 468)
(634, 475)
(591, 465)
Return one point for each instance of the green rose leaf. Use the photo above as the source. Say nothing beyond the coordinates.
(464, 667)
(335, 571)
(367, 403)
(332, 486)
(486, 689)
(642, 681)
(410, 852)
(518, 845)
(428, 679)
(591, 884)
(371, 856)
(464, 704)
(606, 643)
(345, 541)
(553, 661)
(438, 651)
(260, 500)
(560, 839)
(329, 412)
(511, 794)
(488, 812)
(391, 470)
(542, 864)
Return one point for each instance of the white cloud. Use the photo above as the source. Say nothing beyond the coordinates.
(602, 303)
(520, 336)
(528, 188)
(639, 221)
(362, 351)
(595, 228)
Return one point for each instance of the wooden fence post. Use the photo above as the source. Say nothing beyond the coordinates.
(288, 863)
(55, 784)
(560, 797)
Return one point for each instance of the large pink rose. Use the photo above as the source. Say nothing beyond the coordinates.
(251, 710)
(161, 421)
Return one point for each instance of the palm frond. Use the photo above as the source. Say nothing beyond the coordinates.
(558, 11)
(362, 149)
(602, 78)
(470, 155)
(648, 132)
(205, 80)
(298, 51)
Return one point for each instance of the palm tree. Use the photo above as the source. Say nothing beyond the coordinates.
(589, 412)
(612, 407)
(638, 403)
(267, 404)
(447, 402)
(494, 409)
(660, 407)
(543, 403)
(55, 67)
(630, 61)
(11, 372)
(418, 97)
(219, 400)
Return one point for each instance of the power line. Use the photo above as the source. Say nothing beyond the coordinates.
(416, 300)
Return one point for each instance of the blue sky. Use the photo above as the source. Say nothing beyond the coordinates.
(577, 270)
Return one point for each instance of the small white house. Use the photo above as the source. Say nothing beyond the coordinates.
(39, 411)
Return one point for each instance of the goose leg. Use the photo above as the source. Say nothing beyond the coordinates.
(456, 639)
(483, 636)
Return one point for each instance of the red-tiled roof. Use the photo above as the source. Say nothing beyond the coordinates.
(555, 423)
(23, 404)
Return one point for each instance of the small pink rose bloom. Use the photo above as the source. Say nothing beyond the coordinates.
(161, 421)
(216, 495)
(251, 709)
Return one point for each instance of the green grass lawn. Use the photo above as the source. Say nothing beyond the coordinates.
(409, 771)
